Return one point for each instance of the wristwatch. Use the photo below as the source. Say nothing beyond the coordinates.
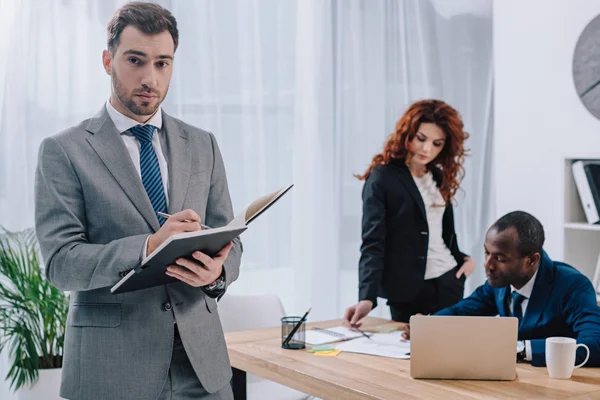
(521, 353)
(218, 284)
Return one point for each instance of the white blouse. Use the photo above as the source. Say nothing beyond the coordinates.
(439, 257)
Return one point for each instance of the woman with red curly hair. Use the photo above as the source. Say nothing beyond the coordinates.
(409, 252)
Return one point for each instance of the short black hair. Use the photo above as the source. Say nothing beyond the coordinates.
(149, 18)
(529, 229)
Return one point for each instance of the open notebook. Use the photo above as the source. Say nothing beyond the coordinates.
(151, 272)
(317, 336)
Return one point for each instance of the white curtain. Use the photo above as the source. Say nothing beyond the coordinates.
(296, 91)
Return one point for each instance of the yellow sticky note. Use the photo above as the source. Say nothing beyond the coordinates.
(331, 353)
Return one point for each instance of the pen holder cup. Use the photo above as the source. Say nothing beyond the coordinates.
(292, 335)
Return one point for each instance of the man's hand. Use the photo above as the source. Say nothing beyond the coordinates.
(406, 333)
(354, 314)
(467, 268)
(183, 221)
(201, 273)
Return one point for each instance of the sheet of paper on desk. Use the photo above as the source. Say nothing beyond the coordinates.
(318, 336)
(379, 344)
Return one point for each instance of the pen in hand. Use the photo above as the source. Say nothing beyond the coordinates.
(165, 215)
(363, 333)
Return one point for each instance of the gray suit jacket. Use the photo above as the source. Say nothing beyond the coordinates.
(92, 217)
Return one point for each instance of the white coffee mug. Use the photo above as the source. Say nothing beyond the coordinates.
(560, 356)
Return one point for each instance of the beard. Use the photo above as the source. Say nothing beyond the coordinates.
(143, 109)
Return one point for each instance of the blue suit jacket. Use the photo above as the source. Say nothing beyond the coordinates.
(562, 303)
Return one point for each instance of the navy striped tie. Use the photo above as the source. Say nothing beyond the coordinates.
(150, 169)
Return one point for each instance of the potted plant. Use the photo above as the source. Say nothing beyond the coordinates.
(33, 316)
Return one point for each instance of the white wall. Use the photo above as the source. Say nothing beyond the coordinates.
(539, 120)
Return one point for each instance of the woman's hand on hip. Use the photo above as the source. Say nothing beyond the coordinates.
(467, 268)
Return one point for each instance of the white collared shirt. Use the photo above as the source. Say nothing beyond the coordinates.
(123, 124)
(525, 291)
(439, 258)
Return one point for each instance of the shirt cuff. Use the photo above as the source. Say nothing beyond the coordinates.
(145, 249)
(528, 350)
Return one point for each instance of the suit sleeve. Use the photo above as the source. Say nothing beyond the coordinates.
(582, 315)
(372, 258)
(219, 212)
(481, 303)
(456, 253)
(71, 262)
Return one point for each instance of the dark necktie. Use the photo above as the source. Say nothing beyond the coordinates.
(150, 169)
(517, 300)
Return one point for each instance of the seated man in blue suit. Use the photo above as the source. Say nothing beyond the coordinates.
(549, 298)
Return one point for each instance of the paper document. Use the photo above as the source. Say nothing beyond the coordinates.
(390, 345)
(317, 336)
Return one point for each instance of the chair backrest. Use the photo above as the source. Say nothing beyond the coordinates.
(243, 312)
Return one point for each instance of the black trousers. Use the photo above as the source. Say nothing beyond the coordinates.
(437, 293)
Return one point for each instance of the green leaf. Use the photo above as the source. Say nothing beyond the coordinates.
(33, 313)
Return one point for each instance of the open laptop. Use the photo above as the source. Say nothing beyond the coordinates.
(452, 347)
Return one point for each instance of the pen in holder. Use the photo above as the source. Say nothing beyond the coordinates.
(293, 332)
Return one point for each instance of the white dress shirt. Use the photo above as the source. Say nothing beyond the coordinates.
(123, 124)
(525, 291)
(439, 257)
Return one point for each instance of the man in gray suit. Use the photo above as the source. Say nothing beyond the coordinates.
(99, 186)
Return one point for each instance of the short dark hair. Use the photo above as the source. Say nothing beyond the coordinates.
(149, 18)
(529, 229)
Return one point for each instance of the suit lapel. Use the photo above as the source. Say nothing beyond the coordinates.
(409, 183)
(179, 158)
(107, 143)
(540, 294)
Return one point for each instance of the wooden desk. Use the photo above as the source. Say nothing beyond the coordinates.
(356, 376)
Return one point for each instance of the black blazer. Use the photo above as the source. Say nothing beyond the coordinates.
(395, 234)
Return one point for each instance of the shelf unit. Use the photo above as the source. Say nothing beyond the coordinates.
(581, 243)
